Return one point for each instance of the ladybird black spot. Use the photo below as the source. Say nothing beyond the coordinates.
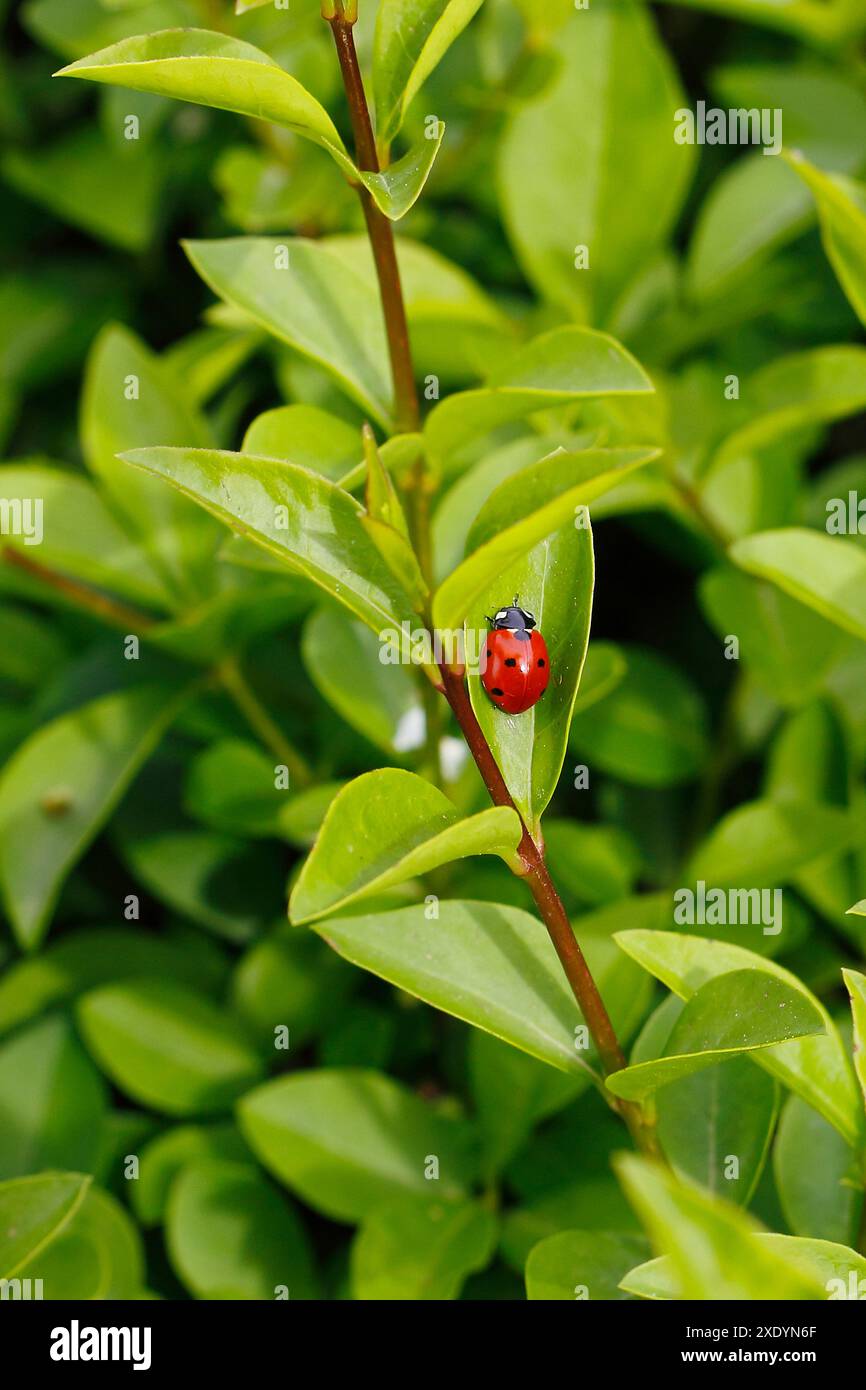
(511, 661)
(541, 661)
(497, 691)
(489, 651)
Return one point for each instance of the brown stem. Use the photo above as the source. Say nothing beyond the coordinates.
(381, 234)
(102, 606)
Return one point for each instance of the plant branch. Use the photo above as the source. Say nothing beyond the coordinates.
(101, 606)
(235, 684)
(381, 233)
(550, 905)
(341, 15)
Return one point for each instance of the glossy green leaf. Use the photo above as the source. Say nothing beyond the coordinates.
(816, 1178)
(307, 436)
(307, 296)
(816, 1068)
(420, 1249)
(59, 789)
(555, 579)
(411, 38)
(491, 966)
(167, 1047)
(738, 1012)
(52, 1099)
(713, 1250)
(581, 1265)
(33, 1213)
(558, 510)
(591, 864)
(302, 518)
(651, 729)
(821, 1269)
(711, 1117)
(598, 140)
(214, 70)
(380, 700)
(130, 400)
(384, 828)
(349, 1140)
(842, 212)
(399, 186)
(826, 573)
(230, 1234)
(561, 367)
(290, 980)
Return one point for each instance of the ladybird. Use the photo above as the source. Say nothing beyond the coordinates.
(515, 667)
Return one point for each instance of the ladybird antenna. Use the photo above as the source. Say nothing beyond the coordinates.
(516, 600)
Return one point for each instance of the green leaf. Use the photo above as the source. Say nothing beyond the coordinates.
(757, 205)
(587, 476)
(98, 1255)
(384, 828)
(711, 1116)
(302, 518)
(398, 187)
(167, 1047)
(597, 140)
(842, 213)
(591, 864)
(33, 1213)
(307, 436)
(52, 1099)
(381, 701)
(580, 1265)
(561, 367)
(816, 1176)
(763, 843)
(79, 178)
(169, 1154)
(713, 1250)
(214, 70)
(61, 786)
(819, 1265)
(733, 1013)
(306, 295)
(230, 1234)
(291, 979)
(411, 37)
(817, 1068)
(83, 959)
(231, 787)
(856, 985)
(131, 400)
(493, 967)
(386, 525)
(420, 1249)
(824, 572)
(349, 1140)
(773, 631)
(555, 579)
(512, 1093)
(83, 538)
(651, 729)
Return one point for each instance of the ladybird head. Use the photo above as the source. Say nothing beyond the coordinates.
(513, 618)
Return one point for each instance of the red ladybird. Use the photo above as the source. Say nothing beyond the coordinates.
(515, 666)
